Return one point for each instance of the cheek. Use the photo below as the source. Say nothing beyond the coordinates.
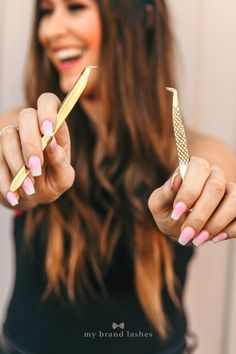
(97, 34)
(93, 32)
(41, 34)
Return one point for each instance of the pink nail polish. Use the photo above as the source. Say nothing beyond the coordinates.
(12, 199)
(186, 235)
(201, 238)
(53, 146)
(178, 210)
(47, 128)
(221, 237)
(27, 186)
(171, 181)
(34, 165)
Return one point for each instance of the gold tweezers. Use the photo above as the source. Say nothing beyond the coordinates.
(66, 107)
(179, 132)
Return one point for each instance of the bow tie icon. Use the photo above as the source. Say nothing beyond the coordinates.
(121, 325)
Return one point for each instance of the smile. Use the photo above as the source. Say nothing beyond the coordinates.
(67, 58)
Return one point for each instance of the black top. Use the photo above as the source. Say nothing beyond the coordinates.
(52, 327)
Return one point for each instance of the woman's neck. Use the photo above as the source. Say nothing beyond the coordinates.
(93, 108)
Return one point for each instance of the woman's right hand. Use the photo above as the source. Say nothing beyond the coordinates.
(51, 172)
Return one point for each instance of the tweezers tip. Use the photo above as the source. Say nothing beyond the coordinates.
(171, 89)
(91, 67)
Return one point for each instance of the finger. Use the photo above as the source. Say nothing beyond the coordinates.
(228, 233)
(47, 107)
(197, 173)
(212, 193)
(60, 173)
(30, 138)
(11, 162)
(161, 200)
(225, 212)
(11, 149)
(5, 177)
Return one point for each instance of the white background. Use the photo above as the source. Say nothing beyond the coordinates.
(206, 71)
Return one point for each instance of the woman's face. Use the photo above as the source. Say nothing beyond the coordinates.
(70, 32)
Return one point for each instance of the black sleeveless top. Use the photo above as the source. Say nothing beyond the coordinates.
(117, 326)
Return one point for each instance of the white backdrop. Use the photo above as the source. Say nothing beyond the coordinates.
(206, 70)
(15, 22)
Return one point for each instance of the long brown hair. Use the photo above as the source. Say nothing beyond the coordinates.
(118, 163)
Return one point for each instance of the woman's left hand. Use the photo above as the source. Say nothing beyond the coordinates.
(201, 207)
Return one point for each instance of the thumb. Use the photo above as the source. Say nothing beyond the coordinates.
(63, 138)
(161, 200)
(60, 173)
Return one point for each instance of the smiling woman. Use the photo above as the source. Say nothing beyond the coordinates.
(88, 250)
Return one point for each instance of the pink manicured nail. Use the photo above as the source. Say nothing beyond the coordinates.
(34, 165)
(53, 146)
(178, 210)
(27, 186)
(186, 235)
(201, 238)
(12, 199)
(47, 128)
(221, 237)
(171, 181)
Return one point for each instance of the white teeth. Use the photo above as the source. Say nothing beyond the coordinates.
(66, 54)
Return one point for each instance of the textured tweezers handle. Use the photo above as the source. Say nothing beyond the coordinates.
(65, 109)
(180, 139)
(179, 132)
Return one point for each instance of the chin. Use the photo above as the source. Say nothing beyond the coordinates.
(66, 84)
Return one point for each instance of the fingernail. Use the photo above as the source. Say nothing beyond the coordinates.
(47, 128)
(186, 235)
(27, 186)
(34, 165)
(221, 237)
(201, 238)
(12, 199)
(171, 181)
(178, 210)
(53, 146)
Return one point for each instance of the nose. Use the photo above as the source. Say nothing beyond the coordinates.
(56, 25)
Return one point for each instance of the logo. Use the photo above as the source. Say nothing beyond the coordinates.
(117, 334)
(121, 325)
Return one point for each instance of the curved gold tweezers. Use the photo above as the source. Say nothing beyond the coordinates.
(179, 131)
(66, 107)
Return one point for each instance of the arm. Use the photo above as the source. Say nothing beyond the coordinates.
(214, 150)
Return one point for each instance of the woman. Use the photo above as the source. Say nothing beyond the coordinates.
(96, 273)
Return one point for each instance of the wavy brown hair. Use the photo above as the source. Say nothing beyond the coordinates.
(118, 163)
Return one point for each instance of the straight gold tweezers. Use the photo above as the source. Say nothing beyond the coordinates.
(66, 107)
(179, 132)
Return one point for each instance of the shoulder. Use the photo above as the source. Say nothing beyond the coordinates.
(9, 118)
(214, 150)
(205, 145)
